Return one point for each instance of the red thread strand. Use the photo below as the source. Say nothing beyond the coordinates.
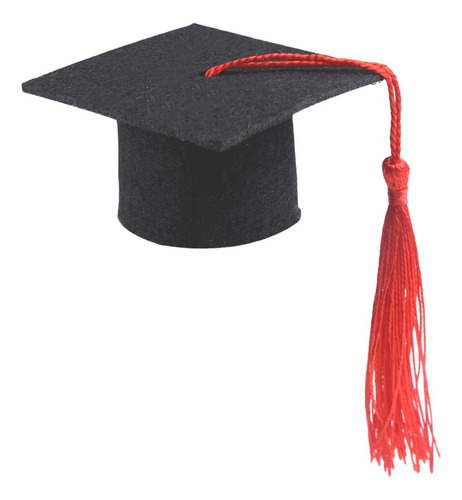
(397, 398)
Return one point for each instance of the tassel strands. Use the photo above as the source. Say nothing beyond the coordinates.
(398, 407)
(397, 399)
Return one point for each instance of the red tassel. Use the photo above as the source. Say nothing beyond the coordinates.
(398, 417)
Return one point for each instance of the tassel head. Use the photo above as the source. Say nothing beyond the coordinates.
(396, 173)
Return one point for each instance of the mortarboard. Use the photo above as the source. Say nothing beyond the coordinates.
(206, 159)
(202, 162)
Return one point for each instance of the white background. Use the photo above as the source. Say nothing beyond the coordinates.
(131, 370)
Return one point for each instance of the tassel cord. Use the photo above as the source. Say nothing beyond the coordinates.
(277, 60)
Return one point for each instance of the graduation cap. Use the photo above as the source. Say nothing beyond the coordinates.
(206, 159)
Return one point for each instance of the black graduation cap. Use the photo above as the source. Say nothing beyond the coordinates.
(203, 162)
(206, 159)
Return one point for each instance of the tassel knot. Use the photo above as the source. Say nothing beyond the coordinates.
(396, 173)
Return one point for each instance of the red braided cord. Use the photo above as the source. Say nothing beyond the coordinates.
(307, 60)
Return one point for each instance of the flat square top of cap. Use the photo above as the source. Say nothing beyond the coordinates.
(158, 84)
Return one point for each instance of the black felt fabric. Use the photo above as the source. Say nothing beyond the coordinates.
(179, 194)
(204, 162)
(157, 84)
